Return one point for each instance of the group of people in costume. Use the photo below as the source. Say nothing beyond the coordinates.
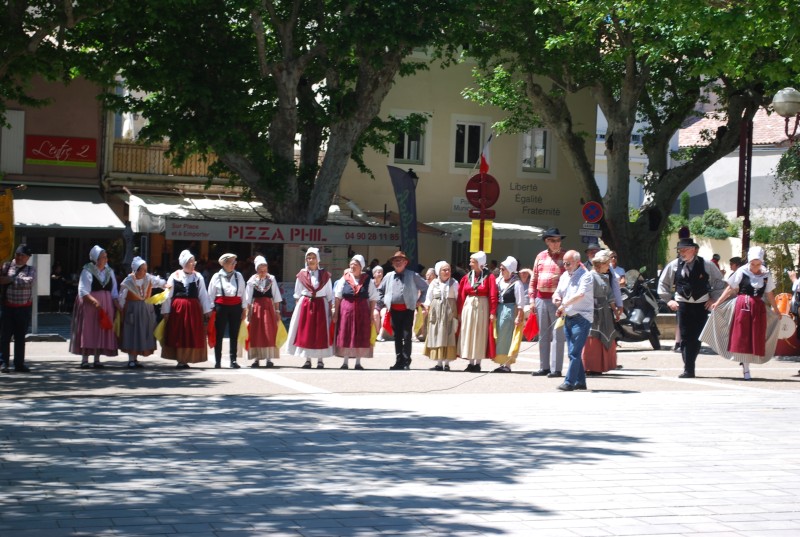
(737, 317)
(481, 317)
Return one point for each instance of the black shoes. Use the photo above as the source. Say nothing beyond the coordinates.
(502, 369)
(580, 386)
(344, 366)
(234, 365)
(564, 387)
(320, 365)
(307, 365)
(554, 375)
(359, 367)
(217, 365)
(270, 364)
(541, 373)
(686, 375)
(183, 366)
(255, 365)
(4, 368)
(21, 369)
(401, 366)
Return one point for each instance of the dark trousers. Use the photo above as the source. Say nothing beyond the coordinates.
(691, 320)
(402, 326)
(230, 317)
(14, 322)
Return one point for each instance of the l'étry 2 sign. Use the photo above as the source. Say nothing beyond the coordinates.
(60, 151)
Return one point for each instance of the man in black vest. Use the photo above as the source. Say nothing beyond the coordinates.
(698, 284)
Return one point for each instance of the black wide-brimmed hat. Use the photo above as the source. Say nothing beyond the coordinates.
(687, 242)
(552, 232)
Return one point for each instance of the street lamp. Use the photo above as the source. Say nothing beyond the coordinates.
(787, 104)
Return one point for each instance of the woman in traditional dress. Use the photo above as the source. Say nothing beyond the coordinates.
(441, 314)
(753, 285)
(138, 317)
(262, 298)
(512, 297)
(309, 330)
(600, 351)
(356, 297)
(93, 312)
(185, 309)
(477, 307)
(226, 289)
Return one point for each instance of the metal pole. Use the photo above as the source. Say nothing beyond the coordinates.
(745, 180)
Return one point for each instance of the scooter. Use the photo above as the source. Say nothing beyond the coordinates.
(639, 310)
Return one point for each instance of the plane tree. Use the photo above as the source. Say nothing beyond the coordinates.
(655, 62)
(32, 42)
(283, 92)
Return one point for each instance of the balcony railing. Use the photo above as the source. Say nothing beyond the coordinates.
(153, 160)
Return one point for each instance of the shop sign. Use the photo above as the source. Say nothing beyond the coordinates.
(265, 232)
(60, 151)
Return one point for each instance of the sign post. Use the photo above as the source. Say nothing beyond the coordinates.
(592, 213)
(482, 192)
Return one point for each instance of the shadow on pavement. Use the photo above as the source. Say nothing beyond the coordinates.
(260, 466)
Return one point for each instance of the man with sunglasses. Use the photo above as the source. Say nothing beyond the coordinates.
(547, 269)
(574, 299)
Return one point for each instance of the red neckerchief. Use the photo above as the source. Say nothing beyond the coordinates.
(304, 277)
(356, 286)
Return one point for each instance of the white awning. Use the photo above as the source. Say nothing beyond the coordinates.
(63, 208)
(500, 231)
(149, 214)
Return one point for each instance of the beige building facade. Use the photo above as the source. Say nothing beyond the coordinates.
(537, 186)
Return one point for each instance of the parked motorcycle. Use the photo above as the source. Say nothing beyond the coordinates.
(639, 310)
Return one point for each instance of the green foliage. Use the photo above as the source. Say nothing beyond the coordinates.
(685, 199)
(32, 42)
(250, 81)
(761, 234)
(787, 172)
(713, 224)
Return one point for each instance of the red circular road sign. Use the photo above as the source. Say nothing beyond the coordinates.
(483, 187)
(592, 212)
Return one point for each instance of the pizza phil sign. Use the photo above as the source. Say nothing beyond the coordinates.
(265, 232)
(60, 151)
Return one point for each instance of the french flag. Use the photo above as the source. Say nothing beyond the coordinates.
(484, 166)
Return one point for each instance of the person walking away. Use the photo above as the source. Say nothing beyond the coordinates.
(574, 301)
(17, 307)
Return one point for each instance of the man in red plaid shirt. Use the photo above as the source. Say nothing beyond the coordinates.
(16, 279)
(547, 269)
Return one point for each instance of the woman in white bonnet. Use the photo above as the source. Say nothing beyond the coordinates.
(441, 315)
(97, 295)
(753, 286)
(510, 312)
(138, 317)
(309, 330)
(356, 297)
(477, 306)
(185, 309)
(262, 298)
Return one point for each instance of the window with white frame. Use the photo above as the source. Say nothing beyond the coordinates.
(410, 149)
(536, 151)
(468, 143)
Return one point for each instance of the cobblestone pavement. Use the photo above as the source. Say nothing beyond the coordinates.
(287, 451)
